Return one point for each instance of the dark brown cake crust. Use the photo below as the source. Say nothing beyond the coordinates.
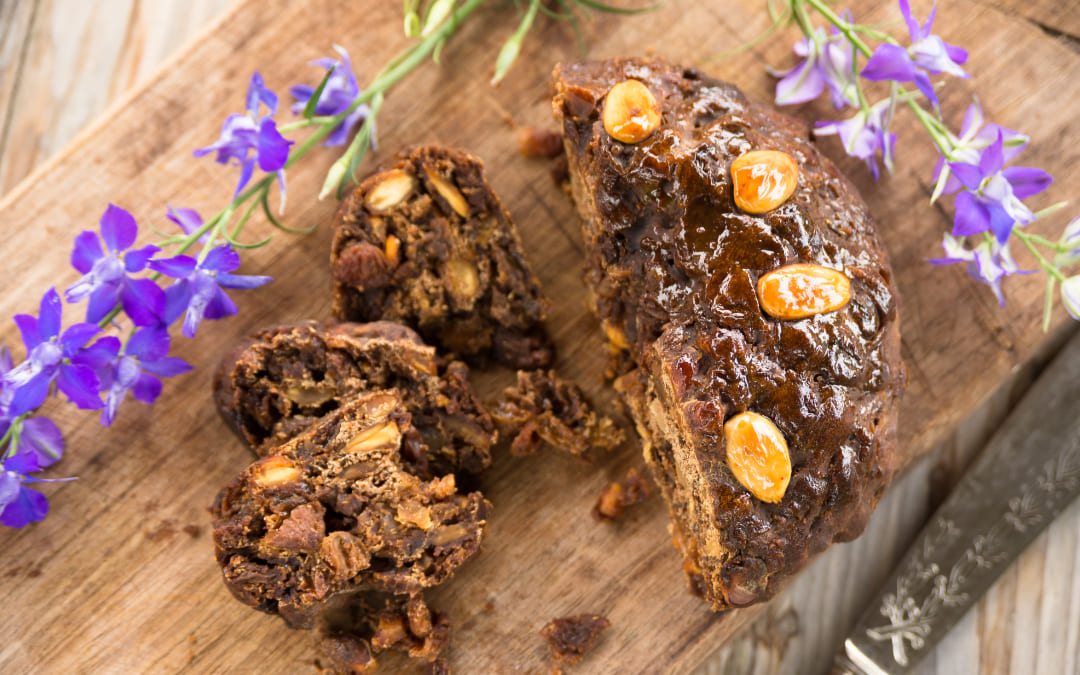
(335, 512)
(571, 637)
(674, 264)
(544, 408)
(274, 385)
(445, 259)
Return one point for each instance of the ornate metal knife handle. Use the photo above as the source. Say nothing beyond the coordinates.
(1028, 474)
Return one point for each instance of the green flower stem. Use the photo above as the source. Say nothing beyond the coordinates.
(1030, 240)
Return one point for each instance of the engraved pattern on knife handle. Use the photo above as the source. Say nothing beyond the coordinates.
(911, 620)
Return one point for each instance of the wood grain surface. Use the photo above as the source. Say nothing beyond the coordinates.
(120, 577)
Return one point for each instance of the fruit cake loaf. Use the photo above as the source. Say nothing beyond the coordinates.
(741, 275)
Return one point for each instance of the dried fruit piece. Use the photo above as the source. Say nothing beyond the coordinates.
(393, 187)
(274, 471)
(801, 290)
(392, 249)
(758, 455)
(631, 112)
(615, 497)
(539, 143)
(450, 193)
(383, 435)
(763, 180)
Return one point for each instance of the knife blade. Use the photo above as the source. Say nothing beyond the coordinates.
(1027, 474)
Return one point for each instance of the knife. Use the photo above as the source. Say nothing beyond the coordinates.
(1027, 474)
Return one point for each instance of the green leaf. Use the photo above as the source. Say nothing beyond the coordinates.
(313, 102)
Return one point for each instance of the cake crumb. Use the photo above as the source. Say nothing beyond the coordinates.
(570, 637)
(537, 143)
(616, 496)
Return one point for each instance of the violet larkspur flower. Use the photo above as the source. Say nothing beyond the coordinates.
(241, 134)
(990, 262)
(991, 200)
(827, 60)
(144, 360)
(38, 436)
(105, 273)
(49, 357)
(866, 134)
(200, 284)
(338, 94)
(968, 147)
(928, 55)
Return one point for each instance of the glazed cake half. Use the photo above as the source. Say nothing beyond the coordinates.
(739, 275)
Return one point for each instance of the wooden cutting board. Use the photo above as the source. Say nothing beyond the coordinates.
(121, 577)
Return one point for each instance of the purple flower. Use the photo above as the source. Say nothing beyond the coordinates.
(242, 134)
(989, 263)
(827, 61)
(866, 134)
(199, 286)
(22, 505)
(38, 436)
(189, 221)
(991, 200)
(105, 274)
(49, 358)
(973, 139)
(338, 94)
(1069, 252)
(928, 55)
(144, 359)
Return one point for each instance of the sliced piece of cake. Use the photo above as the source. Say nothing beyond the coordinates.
(334, 511)
(426, 242)
(275, 384)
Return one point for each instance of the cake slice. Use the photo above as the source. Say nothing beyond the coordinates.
(740, 275)
(426, 242)
(275, 384)
(335, 512)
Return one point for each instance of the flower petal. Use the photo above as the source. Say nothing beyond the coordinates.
(971, 216)
(221, 259)
(87, 251)
(802, 83)
(76, 336)
(272, 148)
(118, 228)
(890, 62)
(135, 260)
(1001, 223)
(102, 301)
(247, 170)
(177, 267)
(168, 367)
(1027, 181)
(147, 388)
(244, 281)
(28, 329)
(220, 306)
(143, 301)
(99, 355)
(148, 344)
(1070, 296)
(30, 395)
(80, 385)
(968, 174)
(924, 85)
(993, 157)
(49, 314)
(42, 437)
(29, 506)
(912, 25)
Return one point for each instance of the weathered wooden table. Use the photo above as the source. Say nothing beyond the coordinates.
(64, 62)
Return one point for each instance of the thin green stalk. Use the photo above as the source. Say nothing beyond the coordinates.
(1046, 265)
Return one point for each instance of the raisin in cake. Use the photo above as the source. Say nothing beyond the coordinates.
(741, 275)
(276, 383)
(426, 242)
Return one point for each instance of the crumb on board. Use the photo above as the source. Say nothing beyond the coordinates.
(616, 496)
(569, 638)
